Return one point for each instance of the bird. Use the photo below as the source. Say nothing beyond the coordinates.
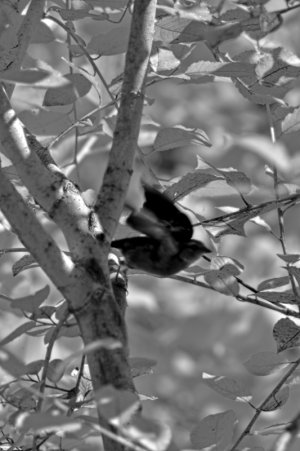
(166, 246)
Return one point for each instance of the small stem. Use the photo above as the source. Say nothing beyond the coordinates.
(48, 357)
(280, 214)
(259, 409)
(91, 61)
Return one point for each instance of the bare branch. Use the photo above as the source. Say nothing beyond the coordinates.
(31, 233)
(47, 184)
(117, 176)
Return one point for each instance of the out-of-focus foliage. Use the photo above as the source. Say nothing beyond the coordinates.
(210, 347)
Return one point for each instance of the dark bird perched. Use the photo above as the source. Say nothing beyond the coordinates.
(168, 246)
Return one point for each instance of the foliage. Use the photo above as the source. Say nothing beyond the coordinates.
(222, 88)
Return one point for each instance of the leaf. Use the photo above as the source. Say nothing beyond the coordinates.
(252, 448)
(275, 282)
(56, 370)
(189, 183)
(69, 331)
(23, 77)
(278, 400)
(261, 222)
(234, 223)
(112, 43)
(117, 406)
(45, 422)
(214, 430)
(42, 34)
(291, 123)
(45, 311)
(32, 302)
(18, 332)
(22, 399)
(174, 137)
(34, 367)
(25, 262)
(295, 272)
(164, 60)
(151, 434)
(44, 122)
(227, 387)
(141, 366)
(265, 363)
(286, 334)
(236, 179)
(76, 86)
(39, 331)
(284, 297)
(11, 364)
(220, 261)
(289, 258)
(222, 276)
(102, 343)
(174, 30)
(223, 69)
(275, 429)
(114, 5)
(81, 12)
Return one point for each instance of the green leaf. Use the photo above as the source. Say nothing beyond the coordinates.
(35, 367)
(117, 406)
(141, 366)
(214, 430)
(174, 137)
(76, 86)
(23, 77)
(32, 302)
(25, 262)
(56, 370)
(11, 364)
(289, 258)
(236, 179)
(151, 434)
(18, 332)
(222, 275)
(227, 387)
(226, 69)
(286, 334)
(292, 122)
(277, 400)
(112, 43)
(265, 363)
(174, 30)
(283, 297)
(275, 282)
(189, 183)
(45, 422)
(42, 34)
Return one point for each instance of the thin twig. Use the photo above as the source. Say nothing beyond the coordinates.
(88, 56)
(74, 105)
(280, 213)
(50, 346)
(265, 402)
(262, 303)
(78, 122)
(254, 209)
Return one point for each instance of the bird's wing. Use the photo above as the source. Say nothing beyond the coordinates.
(176, 222)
